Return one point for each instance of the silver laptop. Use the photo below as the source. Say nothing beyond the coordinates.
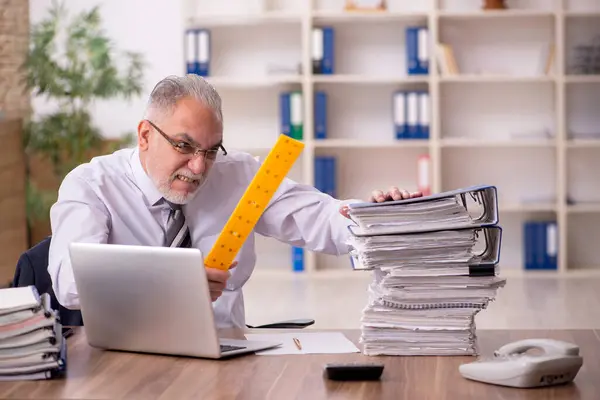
(150, 299)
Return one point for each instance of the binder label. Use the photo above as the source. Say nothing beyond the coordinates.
(203, 47)
(552, 242)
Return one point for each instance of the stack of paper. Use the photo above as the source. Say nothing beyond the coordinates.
(434, 261)
(31, 342)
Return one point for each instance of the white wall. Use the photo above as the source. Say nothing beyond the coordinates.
(152, 28)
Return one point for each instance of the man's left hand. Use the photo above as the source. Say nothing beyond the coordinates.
(378, 196)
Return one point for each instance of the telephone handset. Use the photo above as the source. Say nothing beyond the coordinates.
(549, 346)
(554, 362)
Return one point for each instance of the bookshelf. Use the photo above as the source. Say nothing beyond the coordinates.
(505, 118)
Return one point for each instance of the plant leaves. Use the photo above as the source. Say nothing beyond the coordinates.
(71, 60)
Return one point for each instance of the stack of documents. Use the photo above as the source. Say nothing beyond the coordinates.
(31, 342)
(435, 267)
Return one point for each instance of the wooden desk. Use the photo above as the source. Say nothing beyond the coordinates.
(100, 374)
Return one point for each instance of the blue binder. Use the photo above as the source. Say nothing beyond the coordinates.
(330, 176)
(297, 259)
(325, 175)
(285, 113)
(320, 115)
(191, 51)
(399, 114)
(328, 51)
(551, 245)
(204, 52)
(320, 178)
(412, 115)
(417, 59)
(529, 245)
(424, 115)
(540, 245)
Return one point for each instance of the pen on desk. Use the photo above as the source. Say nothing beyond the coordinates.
(298, 345)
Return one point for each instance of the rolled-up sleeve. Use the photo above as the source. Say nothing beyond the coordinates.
(77, 216)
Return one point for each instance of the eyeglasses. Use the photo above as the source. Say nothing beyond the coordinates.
(186, 148)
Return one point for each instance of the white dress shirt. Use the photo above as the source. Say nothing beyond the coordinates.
(112, 200)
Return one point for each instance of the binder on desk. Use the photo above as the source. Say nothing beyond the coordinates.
(458, 252)
(31, 341)
(434, 260)
(473, 206)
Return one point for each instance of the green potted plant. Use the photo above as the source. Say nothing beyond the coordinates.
(71, 63)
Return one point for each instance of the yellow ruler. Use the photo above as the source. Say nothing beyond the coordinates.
(265, 183)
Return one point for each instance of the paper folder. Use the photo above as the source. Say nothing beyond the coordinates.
(464, 251)
(434, 260)
(474, 206)
(31, 343)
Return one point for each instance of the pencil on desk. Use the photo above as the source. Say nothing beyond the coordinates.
(298, 345)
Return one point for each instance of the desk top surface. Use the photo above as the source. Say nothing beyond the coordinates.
(94, 373)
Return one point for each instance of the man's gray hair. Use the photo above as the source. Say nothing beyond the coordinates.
(171, 89)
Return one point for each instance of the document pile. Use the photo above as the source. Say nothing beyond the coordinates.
(31, 341)
(435, 267)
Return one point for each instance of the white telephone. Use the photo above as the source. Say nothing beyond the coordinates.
(514, 366)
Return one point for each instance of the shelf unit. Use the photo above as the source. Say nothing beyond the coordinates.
(501, 121)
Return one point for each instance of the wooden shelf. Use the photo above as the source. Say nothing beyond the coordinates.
(496, 79)
(527, 207)
(470, 142)
(224, 20)
(503, 89)
(584, 208)
(582, 14)
(368, 79)
(582, 143)
(582, 78)
(327, 17)
(364, 144)
(253, 82)
(508, 14)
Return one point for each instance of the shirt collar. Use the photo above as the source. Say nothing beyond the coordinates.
(143, 180)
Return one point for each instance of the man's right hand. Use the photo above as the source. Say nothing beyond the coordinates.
(217, 279)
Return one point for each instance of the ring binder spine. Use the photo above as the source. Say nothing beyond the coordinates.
(430, 306)
(436, 256)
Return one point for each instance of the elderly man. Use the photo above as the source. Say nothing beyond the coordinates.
(181, 171)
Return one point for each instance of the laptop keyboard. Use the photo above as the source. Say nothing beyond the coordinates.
(227, 347)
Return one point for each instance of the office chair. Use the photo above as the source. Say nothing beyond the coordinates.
(32, 270)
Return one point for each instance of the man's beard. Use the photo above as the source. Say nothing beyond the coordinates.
(164, 187)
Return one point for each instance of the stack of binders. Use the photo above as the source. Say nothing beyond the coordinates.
(31, 343)
(435, 264)
(197, 51)
(291, 115)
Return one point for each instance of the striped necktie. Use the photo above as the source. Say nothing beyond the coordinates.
(178, 234)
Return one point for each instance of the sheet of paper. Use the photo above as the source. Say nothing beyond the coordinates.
(311, 343)
(17, 298)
